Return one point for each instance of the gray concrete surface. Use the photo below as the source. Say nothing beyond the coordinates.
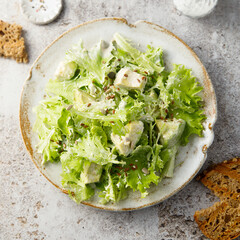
(31, 208)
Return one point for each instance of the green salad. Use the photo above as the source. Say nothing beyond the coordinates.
(114, 117)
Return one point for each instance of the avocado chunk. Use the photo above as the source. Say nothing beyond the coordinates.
(126, 144)
(170, 130)
(128, 79)
(168, 155)
(81, 97)
(66, 71)
(91, 172)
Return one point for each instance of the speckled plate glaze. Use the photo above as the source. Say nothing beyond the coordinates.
(190, 158)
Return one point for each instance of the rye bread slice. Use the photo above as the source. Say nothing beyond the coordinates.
(224, 179)
(12, 45)
(220, 221)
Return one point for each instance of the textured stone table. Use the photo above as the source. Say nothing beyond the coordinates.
(31, 208)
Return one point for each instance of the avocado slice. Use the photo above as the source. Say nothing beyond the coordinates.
(91, 172)
(81, 97)
(170, 130)
(126, 144)
(65, 71)
(168, 155)
(128, 79)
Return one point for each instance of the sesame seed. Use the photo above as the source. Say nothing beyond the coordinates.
(144, 170)
(89, 105)
(69, 107)
(125, 75)
(139, 80)
(108, 91)
(113, 111)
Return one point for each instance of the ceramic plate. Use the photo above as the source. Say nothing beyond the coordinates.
(176, 51)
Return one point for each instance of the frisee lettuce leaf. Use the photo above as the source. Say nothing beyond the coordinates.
(184, 89)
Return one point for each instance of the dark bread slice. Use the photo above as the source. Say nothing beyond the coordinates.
(11, 43)
(220, 221)
(224, 179)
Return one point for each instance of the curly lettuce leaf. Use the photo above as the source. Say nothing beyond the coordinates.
(48, 147)
(113, 187)
(136, 179)
(90, 147)
(147, 61)
(48, 113)
(94, 61)
(66, 88)
(72, 166)
(187, 104)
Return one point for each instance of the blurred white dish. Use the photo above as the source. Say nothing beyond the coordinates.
(195, 8)
(41, 11)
